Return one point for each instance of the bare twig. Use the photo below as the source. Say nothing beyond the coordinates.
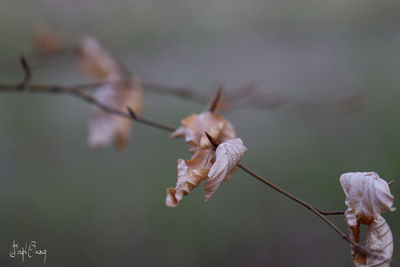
(91, 100)
(243, 91)
(215, 101)
(130, 115)
(338, 212)
(358, 247)
(150, 122)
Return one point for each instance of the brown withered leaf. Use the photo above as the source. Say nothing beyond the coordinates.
(105, 127)
(46, 41)
(194, 127)
(367, 196)
(228, 156)
(189, 175)
(217, 165)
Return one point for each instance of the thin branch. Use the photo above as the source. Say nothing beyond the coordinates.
(150, 122)
(358, 247)
(215, 101)
(338, 212)
(264, 100)
(183, 92)
(243, 91)
(130, 115)
(75, 90)
(89, 99)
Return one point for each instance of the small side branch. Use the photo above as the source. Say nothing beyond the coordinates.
(130, 115)
(215, 101)
(27, 74)
(150, 122)
(338, 212)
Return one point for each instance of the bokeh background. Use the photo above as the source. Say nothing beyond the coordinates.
(106, 208)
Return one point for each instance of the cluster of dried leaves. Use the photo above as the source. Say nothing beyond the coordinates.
(367, 194)
(218, 165)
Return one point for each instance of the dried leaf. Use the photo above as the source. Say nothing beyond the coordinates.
(105, 127)
(218, 165)
(379, 238)
(228, 156)
(194, 127)
(46, 41)
(190, 174)
(97, 62)
(367, 196)
(124, 90)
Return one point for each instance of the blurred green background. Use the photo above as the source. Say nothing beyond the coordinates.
(106, 208)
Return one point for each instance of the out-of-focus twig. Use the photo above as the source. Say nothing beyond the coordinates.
(75, 90)
(27, 74)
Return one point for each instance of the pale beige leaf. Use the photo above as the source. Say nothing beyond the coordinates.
(228, 156)
(194, 127)
(189, 175)
(367, 194)
(105, 127)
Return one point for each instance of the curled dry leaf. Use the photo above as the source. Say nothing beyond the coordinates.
(379, 238)
(217, 165)
(122, 91)
(189, 175)
(367, 196)
(228, 156)
(194, 127)
(46, 41)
